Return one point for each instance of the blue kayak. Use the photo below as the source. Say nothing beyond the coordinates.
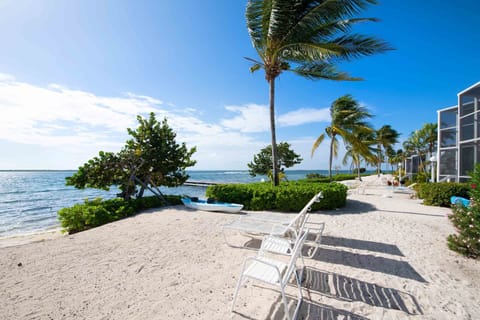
(459, 200)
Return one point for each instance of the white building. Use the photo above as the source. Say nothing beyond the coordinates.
(459, 137)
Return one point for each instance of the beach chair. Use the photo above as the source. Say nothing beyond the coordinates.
(408, 190)
(289, 229)
(274, 272)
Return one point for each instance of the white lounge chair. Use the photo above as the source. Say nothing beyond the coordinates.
(274, 272)
(408, 190)
(253, 226)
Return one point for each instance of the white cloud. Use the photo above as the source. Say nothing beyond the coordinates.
(251, 118)
(256, 118)
(303, 116)
(64, 128)
(77, 124)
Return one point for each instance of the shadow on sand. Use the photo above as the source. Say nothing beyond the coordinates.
(309, 310)
(352, 206)
(349, 289)
(361, 245)
(369, 262)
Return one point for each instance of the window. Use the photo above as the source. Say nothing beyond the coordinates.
(448, 138)
(448, 162)
(466, 105)
(467, 159)
(466, 128)
(448, 118)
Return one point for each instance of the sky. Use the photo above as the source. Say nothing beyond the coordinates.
(75, 74)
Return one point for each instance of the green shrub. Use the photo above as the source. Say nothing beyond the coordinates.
(467, 224)
(317, 178)
(438, 194)
(94, 213)
(287, 197)
(466, 221)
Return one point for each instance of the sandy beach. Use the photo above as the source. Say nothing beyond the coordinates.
(383, 256)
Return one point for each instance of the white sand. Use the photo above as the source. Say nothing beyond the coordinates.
(384, 256)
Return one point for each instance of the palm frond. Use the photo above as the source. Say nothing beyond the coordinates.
(283, 17)
(322, 70)
(335, 146)
(258, 14)
(317, 143)
(356, 45)
(314, 14)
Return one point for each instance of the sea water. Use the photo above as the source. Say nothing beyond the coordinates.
(29, 200)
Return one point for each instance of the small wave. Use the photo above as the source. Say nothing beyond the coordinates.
(234, 172)
(13, 192)
(36, 209)
(53, 190)
(38, 221)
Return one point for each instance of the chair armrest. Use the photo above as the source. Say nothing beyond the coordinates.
(268, 264)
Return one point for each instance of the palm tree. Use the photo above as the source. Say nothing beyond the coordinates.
(385, 138)
(348, 117)
(429, 136)
(366, 138)
(307, 37)
(415, 145)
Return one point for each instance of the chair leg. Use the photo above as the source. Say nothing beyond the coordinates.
(285, 305)
(236, 291)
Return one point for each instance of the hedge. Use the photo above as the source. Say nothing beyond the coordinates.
(438, 194)
(287, 197)
(94, 213)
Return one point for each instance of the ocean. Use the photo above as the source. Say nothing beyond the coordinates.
(29, 200)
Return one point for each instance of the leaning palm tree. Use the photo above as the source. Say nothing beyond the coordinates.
(385, 137)
(365, 137)
(307, 37)
(348, 117)
(429, 136)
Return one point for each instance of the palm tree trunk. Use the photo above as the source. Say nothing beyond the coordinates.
(379, 163)
(358, 170)
(272, 129)
(331, 158)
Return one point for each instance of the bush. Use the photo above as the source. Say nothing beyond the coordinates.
(97, 212)
(438, 194)
(317, 178)
(287, 197)
(466, 221)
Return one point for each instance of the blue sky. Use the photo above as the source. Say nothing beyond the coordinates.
(74, 75)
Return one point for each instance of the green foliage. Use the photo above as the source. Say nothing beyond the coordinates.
(315, 176)
(467, 224)
(262, 162)
(348, 122)
(94, 213)
(438, 194)
(309, 38)
(466, 221)
(287, 197)
(152, 156)
(323, 179)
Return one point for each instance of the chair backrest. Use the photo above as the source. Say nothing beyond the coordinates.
(297, 250)
(298, 223)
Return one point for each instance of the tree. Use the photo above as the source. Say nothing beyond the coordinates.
(422, 142)
(348, 119)
(385, 137)
(307, 37)
(428, 134)
(263, 162)
(151, 158)
(365, 137)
